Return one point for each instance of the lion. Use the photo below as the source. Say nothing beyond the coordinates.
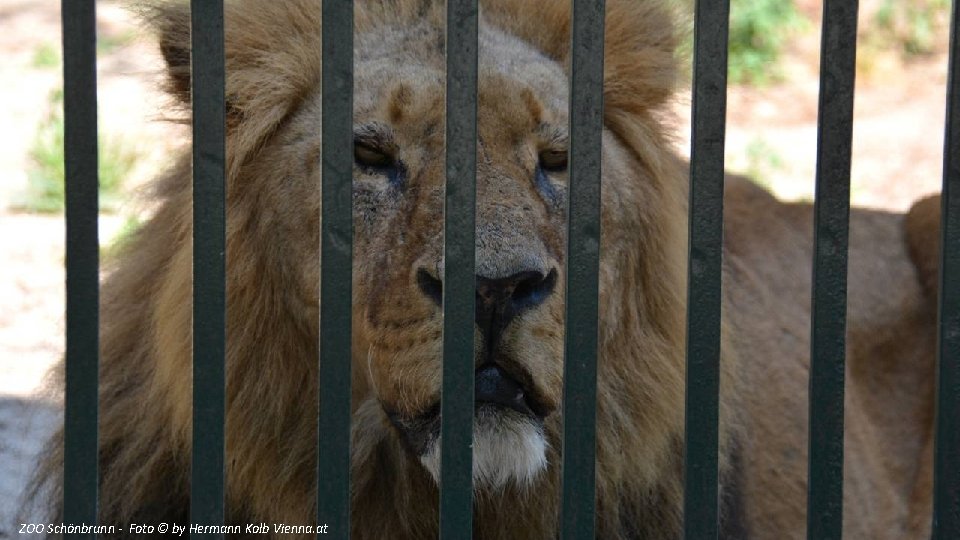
(273, 156)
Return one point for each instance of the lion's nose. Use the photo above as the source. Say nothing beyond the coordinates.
(500, 300)
(430, 286)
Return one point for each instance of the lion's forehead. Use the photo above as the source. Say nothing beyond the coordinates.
(414, 55)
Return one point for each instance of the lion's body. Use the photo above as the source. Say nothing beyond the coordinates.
(273, 223)
(889, 374)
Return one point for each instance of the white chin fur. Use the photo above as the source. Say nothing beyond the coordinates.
(506, 446)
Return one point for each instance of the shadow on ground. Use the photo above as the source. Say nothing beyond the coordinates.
(25, 425)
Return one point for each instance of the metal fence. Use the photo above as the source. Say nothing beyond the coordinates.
(579, 410)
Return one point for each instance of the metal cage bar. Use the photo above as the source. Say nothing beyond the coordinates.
(336, 259)
(582, 272)
(582, 278)
(700, 504)
(80, 459)
(209, 263)
(829, 302)
(459, 273)
(946, 516)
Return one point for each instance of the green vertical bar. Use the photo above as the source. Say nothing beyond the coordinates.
(336, 255)
(700, 503)
(209, 264)
(829, 304)
(82, 263)
(946, 478)
(582, 272)
(459, 280)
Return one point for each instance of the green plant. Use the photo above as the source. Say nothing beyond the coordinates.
(759, 161)
(110, 42)
(763, 161)
(110, 250)
(911, 25)
(45, 56)
(45, 175)
(759, 29)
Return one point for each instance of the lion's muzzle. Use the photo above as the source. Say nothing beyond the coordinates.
(509, 441)
(495, 386)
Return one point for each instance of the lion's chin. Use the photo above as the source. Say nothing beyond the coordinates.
(507, 447)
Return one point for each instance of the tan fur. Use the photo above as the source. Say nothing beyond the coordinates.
(273, 67)
(889, 372)
(923, 238)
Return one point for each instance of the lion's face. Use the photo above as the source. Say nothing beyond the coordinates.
(398, 195)
(398, 199)
(273, 116)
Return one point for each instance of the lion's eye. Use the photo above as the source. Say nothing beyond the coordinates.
(553, 160)
(369, 156)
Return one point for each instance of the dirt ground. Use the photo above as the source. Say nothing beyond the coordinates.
(897, 157)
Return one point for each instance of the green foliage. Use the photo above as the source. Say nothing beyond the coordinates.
(110, 42)
(912, 25)
(759, 29)
(763, 161)
(46, 56)
(128, 230)
(45, 175)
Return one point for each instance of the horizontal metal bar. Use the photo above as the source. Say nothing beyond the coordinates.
(82, 263)
(336, 256)
(459, 273)
(946, 517)
(829, 303)
(582, 272)
(704, 274)
(209, 264)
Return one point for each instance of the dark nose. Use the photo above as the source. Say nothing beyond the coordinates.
(430, 286)
(493, 385)
(500, 300)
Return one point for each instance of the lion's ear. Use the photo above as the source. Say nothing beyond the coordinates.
(172, 22)
(641, 66)
(272, 49)
(272, 56)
